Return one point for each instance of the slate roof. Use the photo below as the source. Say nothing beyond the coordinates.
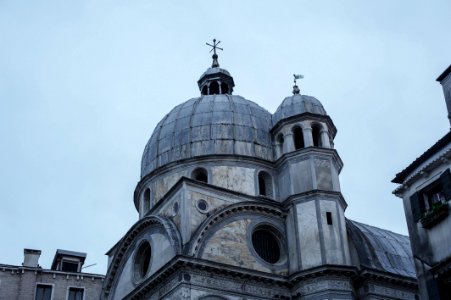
(381, 249)
(298, 104)
(401, 176)
(213, 124)
(217, 70)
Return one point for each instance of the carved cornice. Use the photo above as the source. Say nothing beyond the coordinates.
(183, 263)
(376, 275)
(308, 152)
(180, 264)
(306, 116)
(325, 270)
(313, 195)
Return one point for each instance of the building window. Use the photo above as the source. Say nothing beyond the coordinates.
(75, 293)
(298, 138)
(316, 135)
(266, 244)
(142, 260)
(146, 201)
(214, 88)
(429, 205)
(264, 184)
(202, 206)
(69, 266)
(224, 88)
(43, 292)
(200, 174)
(280, 143)
(329, 218)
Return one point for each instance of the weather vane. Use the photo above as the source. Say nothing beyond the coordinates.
(215, 63)
(296, 77)
(296, 89)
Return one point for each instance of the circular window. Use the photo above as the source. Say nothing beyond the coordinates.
(142, 260)
(202, 205)
(266, 244)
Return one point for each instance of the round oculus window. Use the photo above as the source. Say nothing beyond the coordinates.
(142, 260)
(202, 205)
(266, 244)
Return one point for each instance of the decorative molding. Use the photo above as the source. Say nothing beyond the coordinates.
(124, 244)
(225, 213)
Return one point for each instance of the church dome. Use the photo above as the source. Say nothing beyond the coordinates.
(221, 124)
(296, 105)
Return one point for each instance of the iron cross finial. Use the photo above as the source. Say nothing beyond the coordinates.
(215, 63)
(214, 46)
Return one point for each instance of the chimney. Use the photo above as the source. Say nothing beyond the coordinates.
(31, 258)
(445, 81)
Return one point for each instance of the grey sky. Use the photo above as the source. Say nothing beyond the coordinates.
(83, 83)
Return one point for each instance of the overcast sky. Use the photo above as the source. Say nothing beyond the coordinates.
(83, 84)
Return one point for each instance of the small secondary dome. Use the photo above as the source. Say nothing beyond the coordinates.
(296, 105)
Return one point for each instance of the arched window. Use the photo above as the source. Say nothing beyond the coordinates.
(264, 184)
(200, 174)
(316, 135)
(280, 142)
(205, 90)
(146, 201)
(224, 88)
(298, 138)
(214, 88)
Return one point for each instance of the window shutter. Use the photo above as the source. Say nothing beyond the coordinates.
(445, 180)
(415, 206)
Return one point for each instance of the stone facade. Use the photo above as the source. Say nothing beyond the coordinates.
(425, 187)
(238, 203)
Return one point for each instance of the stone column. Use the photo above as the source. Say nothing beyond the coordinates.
(278, 152)
(288, 144)
(325, 141)
(308, 138)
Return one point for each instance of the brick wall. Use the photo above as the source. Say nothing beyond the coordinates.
(18, 283)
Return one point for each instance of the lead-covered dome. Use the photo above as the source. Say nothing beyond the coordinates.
(296, 105)
(209, 125)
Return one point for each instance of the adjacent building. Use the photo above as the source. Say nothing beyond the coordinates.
(425, 187)
(63, 281)
(237, 203)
